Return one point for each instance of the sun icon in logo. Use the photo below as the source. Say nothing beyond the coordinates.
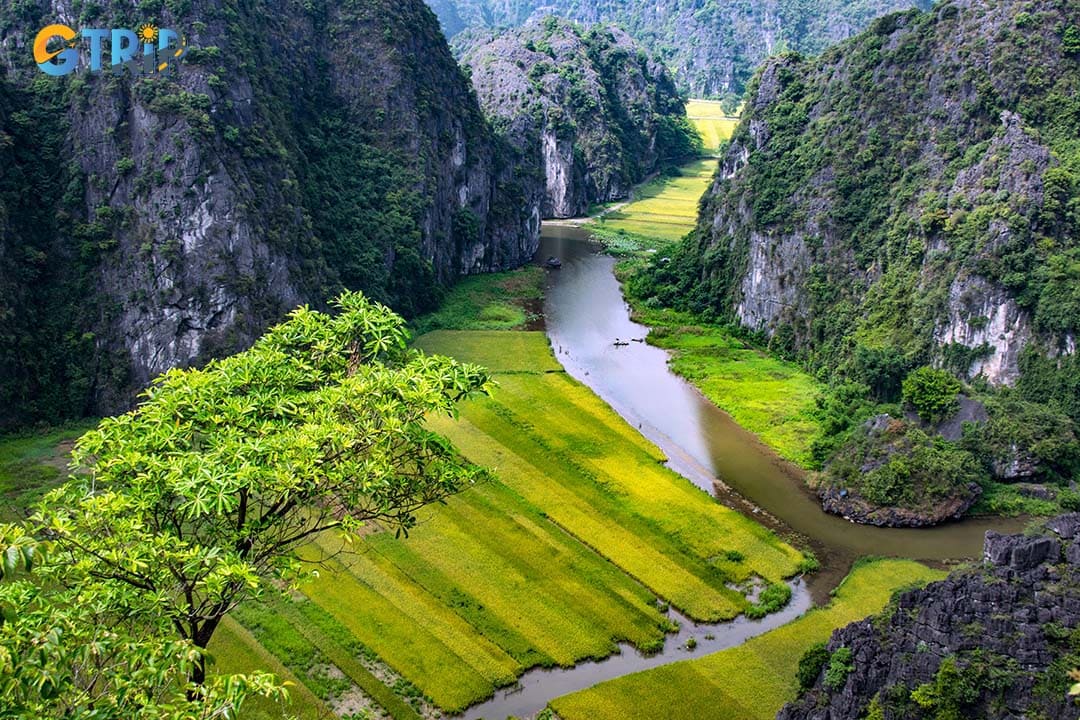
(148, 33)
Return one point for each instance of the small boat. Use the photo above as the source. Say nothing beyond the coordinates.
(554, 263)
(620, 343)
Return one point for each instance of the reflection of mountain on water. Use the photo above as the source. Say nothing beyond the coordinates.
(585, 312)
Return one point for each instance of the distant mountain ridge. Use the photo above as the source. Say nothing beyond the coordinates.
(711, 46)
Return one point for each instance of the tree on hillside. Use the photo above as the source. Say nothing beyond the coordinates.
(932, 393)
(199, 496)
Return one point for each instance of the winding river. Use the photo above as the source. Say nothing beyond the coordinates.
(584, 314)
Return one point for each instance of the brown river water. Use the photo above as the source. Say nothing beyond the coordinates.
(585, 313)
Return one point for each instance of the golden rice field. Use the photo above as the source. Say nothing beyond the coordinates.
(665, 209)
(751, 681)
(714, 125)
(563, 554)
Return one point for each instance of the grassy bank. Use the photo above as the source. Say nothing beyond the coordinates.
(31, 464)
(771, 398)
(751, 681)
(502, 301)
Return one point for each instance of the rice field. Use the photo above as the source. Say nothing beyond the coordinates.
(665, 209)
(565, 552)
(751, 681)
(714, 125)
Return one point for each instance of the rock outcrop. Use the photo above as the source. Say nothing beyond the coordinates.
(300, 149)
(994, 641)
(591, 107)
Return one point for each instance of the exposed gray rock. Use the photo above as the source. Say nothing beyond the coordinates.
(1004, 624)
(589, 106)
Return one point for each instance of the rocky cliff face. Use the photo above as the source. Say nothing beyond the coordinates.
(594, 110)
(911, 193)
(995, 641)
(298, 150)
(712, 46)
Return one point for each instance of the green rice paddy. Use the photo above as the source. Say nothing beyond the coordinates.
(751, 681)
(565, 552)
(665, 208)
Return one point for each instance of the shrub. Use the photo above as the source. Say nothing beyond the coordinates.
(1070, 40)
(840, 665)
(932, 393)
(811, 664)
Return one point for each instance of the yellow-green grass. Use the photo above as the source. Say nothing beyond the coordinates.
(664, 209)
(751, 681)
(710, 120)
(32, 464)
(498, 301)
(559, 557)
(235, 650)
(770, 397)
(500, 352)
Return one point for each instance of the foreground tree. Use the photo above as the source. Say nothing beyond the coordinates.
(198, 497)
(74, 647)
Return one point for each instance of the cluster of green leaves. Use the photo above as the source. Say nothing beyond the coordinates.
(934, 394)
(840, 666)
(72, 646)
(196, 500)
(901, 465)
(812, 662)
(958, 689)
(772, 599)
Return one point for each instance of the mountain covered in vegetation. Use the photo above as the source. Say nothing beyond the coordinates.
(712, 46)
(995, 640)
(910, 199)
(153, 222)
(590, 107)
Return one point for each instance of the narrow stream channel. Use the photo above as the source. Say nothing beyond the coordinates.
(585, 313)
(536, 688)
